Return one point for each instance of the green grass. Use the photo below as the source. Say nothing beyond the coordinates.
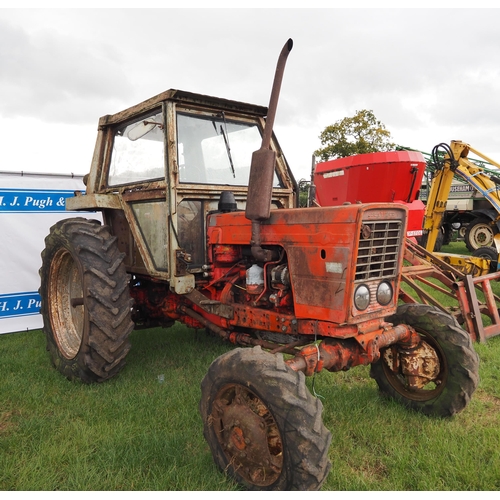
(130, 433)
(135, 433)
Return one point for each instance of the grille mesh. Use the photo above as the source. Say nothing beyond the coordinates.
(379, 248)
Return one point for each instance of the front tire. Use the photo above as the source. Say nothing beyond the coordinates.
(450, 389)
(262, 424)
(85, 300)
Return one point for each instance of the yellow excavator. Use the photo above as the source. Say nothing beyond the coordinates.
(456, 162)
(466, 279)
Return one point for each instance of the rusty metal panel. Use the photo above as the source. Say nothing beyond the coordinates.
(93, 202)
(475, 313)
(120, 228)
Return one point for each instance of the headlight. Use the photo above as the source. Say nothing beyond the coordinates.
(362, 297)
(384, 293)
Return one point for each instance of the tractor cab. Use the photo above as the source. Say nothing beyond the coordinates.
(172, 160)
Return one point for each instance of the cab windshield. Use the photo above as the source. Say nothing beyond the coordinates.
(215, 150)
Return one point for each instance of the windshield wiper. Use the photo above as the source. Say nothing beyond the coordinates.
(228, 149)
(226, 142)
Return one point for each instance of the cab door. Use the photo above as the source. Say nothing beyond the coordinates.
(137, 171)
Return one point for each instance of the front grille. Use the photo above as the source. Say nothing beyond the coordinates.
(379, 250)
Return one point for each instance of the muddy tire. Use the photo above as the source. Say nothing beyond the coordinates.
(262, 424)
(450, 390)
(479, 233)
(85, 300)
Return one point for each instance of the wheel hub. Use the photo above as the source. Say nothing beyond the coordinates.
(248, 435)
(419, 366)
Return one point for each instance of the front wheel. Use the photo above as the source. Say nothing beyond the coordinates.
(262, 424)
(445, 357)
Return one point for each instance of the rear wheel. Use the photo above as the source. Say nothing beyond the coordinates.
(262, 424)
(480, 233)
(448, 364)
(85, 300)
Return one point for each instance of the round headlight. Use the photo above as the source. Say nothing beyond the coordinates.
(362, 297)
(384, 293)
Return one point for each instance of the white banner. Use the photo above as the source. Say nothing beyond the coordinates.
(29, 205)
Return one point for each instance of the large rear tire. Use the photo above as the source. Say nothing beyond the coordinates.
(85, 300)
(262, 424)
(450, 389)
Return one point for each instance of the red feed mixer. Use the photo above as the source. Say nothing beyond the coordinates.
(394, 176)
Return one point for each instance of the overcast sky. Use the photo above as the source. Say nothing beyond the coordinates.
(430, 75)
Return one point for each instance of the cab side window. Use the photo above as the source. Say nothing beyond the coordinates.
(138, 152)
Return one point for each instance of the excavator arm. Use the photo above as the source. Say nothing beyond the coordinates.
(456, 162)
(438, 196)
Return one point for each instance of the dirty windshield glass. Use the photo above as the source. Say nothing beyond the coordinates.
(138, 152)
(214, 150)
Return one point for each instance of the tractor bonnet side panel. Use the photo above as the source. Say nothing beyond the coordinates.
(319, 244)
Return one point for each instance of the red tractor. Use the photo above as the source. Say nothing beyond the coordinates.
(197, 229)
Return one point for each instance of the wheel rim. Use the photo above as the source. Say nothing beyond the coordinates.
(481, 235)
(401, 382)
(248, 435)
(65, 300)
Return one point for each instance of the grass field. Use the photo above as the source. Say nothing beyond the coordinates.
(142, 430)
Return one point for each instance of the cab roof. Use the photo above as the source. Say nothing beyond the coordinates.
(184, 97)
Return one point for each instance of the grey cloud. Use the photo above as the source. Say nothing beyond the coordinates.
(57, 78)
(426, 73)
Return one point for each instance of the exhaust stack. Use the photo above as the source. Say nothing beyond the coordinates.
(260, 185)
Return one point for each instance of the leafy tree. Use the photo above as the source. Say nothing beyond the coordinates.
(303, 192)
(361, 133)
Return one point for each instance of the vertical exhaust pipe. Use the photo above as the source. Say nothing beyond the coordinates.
(260, 185)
